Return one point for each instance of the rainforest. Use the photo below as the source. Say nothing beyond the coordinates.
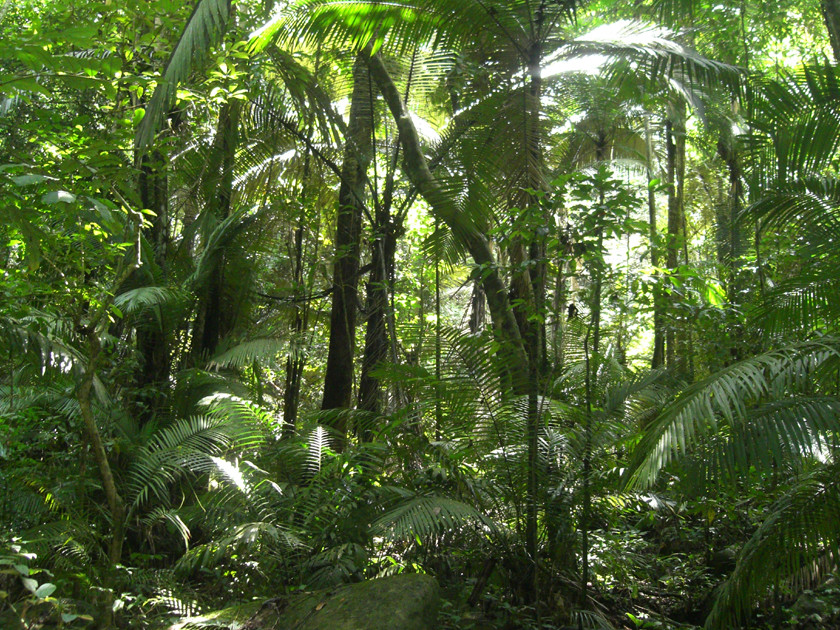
(420, 314)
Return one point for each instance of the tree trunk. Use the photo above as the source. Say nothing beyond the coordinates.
(678, 337)
(444, 208)
(534, 331)
(477, 308)
(658, 358)
(211, 322)
(152, 342)
(116, 505)
(214, 324)
(295, 361)
(730, 241)
(831, 16)
(338, 381)
(376, 332)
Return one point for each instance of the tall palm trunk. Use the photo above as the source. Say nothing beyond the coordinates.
(658, 358)
(598, 266)
(379, 310)
(533, 332)
(338, 381)
(151, 338)
(677, 345)
(477, 308)
(444, 208)
(730, 240)
(296, 360)
(376, 333)
(212, 321)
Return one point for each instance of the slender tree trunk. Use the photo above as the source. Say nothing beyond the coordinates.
(685, 348)
(116, 505)
(658, 358)
(212, 321)
(534, 327)
(379, 302)
(477, 308)
(438, 363)
(598, 266)
(84, 395)
(676, 346)
(376, 333)
(296, 360)
(597, 290)
(444, 208)
(338, 381)
(730, 246)
(152, 342)
(831, 16)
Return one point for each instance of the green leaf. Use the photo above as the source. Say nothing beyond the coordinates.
(30, 584)
(22, 569)
(27, 84)
(57, 196)
(28, 179)
(45, 590)
(714, 294)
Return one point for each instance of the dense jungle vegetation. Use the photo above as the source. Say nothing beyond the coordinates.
(540, 298)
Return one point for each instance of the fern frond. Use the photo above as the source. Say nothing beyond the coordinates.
(184, 447)
(142, 298)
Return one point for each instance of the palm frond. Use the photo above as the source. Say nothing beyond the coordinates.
(204, 27)
(658, 55)
(318, 443)
(162, 514)
(142, 298)
(427, 516)
(795, 126)
(726, 398)
(219, 238)
(186, 446)
(800, 529)
(248, 352)
(242, 538)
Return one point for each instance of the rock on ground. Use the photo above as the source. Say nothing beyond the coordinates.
(400, 602)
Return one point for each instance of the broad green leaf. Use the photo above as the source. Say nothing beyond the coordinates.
(30, 584)
(27, 84)
(714, 294)
(57, 196)
(28, 179)
(45, 590)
